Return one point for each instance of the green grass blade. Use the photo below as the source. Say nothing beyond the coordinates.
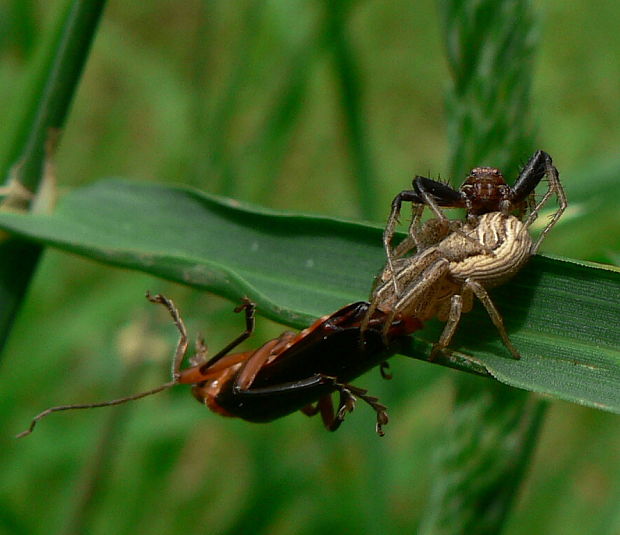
(18, 259)
(350, 92)
(272, 141)
(50, 90)
(594, 194)
(475, 472)
(215, 134)
(562, 315)
(489, 48)
(17, 27)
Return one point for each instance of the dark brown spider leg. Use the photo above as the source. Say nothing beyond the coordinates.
(447, 197)
(528, 179)
(436, 194)
(390, 228)
(530, 176)
(441, 194)
(412, 240)
(538, 166)
(426, 192)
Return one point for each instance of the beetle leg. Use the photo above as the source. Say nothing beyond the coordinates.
(304, 384)
(310, 410)
(200, 352)
(378, 407)
(324, 406)
(331, 419)
(348, 396)
(315, 382)
(345, 406)
(248, 307)
(384, 369)
(178, 321)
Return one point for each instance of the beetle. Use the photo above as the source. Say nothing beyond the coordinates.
(295, 371)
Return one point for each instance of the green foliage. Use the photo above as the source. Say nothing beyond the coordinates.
(247, 251)
(490, 436)
(492, 433)
(244, 98)
(489, 47)
(34, 131)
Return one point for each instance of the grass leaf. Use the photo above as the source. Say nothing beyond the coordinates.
(561, 314)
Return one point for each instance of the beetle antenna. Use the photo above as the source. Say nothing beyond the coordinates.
(110, 403)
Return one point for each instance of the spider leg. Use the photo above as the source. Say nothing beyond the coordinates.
(555, 187)
(530, 176)
(481, 293)
(390, 228)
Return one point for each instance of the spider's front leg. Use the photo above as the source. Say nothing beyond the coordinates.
(539, 166)
(425, 193)
(410, 242)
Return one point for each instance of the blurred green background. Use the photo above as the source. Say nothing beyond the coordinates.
(245, 99)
